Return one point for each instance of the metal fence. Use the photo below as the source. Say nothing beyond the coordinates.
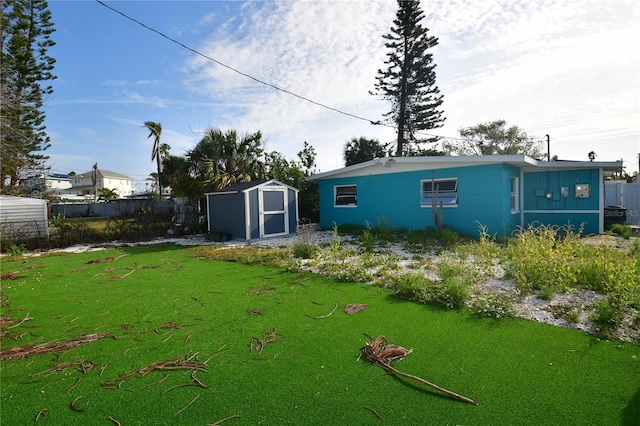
(116, 208)
(627, 195)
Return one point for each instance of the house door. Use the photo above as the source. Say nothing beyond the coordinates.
(274, 215)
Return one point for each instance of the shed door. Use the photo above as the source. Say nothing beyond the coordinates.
(273, 212)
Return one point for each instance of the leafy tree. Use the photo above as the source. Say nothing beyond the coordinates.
(223, 158)
(155, 130)
(295, 173)
(25, 66)
(409, 82)
(359, 150)
(176, 173)
(494, 138)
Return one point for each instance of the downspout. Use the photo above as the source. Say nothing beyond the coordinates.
(247, 216)
(601, 201)
(521, 198)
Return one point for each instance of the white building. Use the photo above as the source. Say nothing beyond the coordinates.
(82, 184)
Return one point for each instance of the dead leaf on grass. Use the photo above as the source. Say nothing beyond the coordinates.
(352, 308)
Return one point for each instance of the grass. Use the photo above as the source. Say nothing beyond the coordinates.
(165, 302)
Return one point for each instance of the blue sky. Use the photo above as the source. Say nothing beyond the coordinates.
(567, 68)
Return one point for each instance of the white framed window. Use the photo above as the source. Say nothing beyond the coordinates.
(445, 191)
(345, 196)
(515, 195)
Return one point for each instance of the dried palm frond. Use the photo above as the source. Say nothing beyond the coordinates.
(382, 354)
(24, 351)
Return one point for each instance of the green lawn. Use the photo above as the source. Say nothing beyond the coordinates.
(164, 303)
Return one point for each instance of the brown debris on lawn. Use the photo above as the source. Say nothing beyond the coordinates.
(28, 350)
(352, 308)
(81, 365)
(262, 290)
(11, 275)
(181, 363)
(382, 354)
(258, 344)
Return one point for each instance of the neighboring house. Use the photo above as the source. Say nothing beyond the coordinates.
(82, 184)
(500, 193)
(54, 184)
(253, 210)
(22, 218)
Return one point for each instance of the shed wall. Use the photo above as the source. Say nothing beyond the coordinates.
(227, 214)
(23, 218)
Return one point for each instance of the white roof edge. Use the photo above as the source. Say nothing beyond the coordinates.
(487, 159)
(252, 187)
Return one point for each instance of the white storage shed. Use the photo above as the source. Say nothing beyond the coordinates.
(22, 218)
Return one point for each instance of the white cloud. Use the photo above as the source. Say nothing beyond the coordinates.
(557, 67)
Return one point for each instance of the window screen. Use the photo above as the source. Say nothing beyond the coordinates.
(346, 195)
(446, 192)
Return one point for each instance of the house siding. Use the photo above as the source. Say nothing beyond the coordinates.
(395, 199)
(545, 205)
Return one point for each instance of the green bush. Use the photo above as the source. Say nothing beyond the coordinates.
(543, 258)
(304, 250)
(621, 229)
(16, 250)
(607, 315)
(452, 292)
(493, 305)
(368, 239)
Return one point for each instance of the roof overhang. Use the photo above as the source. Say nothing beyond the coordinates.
(407, 164)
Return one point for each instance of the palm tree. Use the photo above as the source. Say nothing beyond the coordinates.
(222, 158)
(155, 130)
(359, 150)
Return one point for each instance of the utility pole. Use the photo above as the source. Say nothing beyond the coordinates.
(548, 149)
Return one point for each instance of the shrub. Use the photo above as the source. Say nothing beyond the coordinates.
(16, 250)
(607, 315)
(493, 305)
(621, 229)
(368, 239)
(450, 293)
(304, 250)
(543, 258)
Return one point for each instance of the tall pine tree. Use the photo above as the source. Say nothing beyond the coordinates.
(409, 82)
(25, 66)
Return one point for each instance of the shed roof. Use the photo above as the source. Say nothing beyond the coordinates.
(10, 200)
(405, 164)
(246, 186)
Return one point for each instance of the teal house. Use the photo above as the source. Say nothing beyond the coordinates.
(499, 192)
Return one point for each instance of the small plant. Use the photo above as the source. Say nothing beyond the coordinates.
(304, 249)
(16, 250)
(493, 305)
(607, 315)
(569, 313)
(368, 239)
(336, 242)
(452, 293)
(621, 229)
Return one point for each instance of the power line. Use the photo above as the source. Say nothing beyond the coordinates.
(179, 43)
(234, 69)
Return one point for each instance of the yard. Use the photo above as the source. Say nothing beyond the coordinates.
(167, 334)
